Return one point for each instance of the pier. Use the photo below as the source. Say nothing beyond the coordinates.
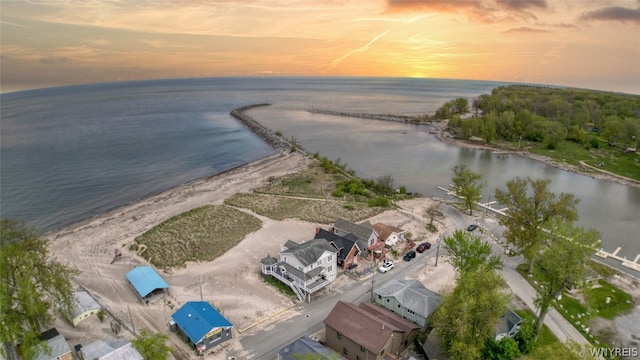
(634, 265)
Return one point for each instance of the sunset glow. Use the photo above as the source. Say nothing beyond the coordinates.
(591, 43)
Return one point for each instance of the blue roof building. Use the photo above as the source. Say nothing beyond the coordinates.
(202, 325)
(147, 283)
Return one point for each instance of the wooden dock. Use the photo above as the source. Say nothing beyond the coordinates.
(634, 265)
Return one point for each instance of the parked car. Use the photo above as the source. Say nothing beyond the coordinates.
(472, 227)
(408, 256)
(386, 266)
(424, 246)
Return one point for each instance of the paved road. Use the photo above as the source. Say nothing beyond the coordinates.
(309, 317)
(521, 288)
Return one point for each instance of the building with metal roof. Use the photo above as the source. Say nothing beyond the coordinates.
(147, 283)
(202, 325)
(83, 306)
(306, 346)
(110, 349)
(57, 344)
(409, 299)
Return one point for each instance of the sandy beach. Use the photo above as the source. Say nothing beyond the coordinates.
(89, 247)
(231, 282)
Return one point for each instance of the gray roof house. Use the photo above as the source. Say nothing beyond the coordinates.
(305, 346)
(306, 267)
(349, 248)
(508, 325)
(110, 349)
(409, 299)
(363, 232)
(57, 344)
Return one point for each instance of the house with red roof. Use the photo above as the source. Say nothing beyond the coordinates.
(367, 331)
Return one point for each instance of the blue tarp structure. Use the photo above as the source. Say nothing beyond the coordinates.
(197, 319)
(145, 280)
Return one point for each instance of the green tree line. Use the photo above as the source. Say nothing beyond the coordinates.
(551, 115)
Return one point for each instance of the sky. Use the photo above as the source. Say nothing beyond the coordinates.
(579, 43)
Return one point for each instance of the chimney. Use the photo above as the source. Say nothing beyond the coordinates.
(382, 326)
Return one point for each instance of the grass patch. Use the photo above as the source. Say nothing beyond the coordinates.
(282, 287)
(545, 337)
(312, 210)
(619, 301)
(201, 234)
(309, 195)
(603, 270)
(609, 159)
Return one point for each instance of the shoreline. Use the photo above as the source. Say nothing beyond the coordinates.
(441, 133)
(595, 173)
(88, 245)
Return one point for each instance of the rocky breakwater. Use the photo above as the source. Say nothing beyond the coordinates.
(273, 140)
(383, 117)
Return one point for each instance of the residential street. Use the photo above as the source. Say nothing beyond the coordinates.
(264, 341)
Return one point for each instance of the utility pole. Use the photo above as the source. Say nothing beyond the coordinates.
(438, 249)
(131, 318)
(372, 282)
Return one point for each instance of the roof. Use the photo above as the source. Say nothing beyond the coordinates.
(197, 318)
(145, 280)
(269, 260)
(304, 346)
(111, 349)
(366, 325)
(83, 302)
(507, 321)
(384, 230)
(432, 347)
(343, 244)
(411, 294)
(57, 344)
(361, 231)
(401, 324)
(308, 252)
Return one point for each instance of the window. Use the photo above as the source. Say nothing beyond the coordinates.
(362, 348)
(330, 269)
(411, 311)
(387, 300)
(319, 262)
(379, 296)
(329, 257)
(345, 351)
(339, 335)
(358, 357)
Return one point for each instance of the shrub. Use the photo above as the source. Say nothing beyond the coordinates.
(378, 202)
(101, 314)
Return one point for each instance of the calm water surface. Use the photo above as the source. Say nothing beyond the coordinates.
(417, 159)
(70, 153)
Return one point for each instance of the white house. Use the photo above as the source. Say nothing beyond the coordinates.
(306, 267)
(389, 234)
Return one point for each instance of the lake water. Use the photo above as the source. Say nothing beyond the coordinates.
(70, 153)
